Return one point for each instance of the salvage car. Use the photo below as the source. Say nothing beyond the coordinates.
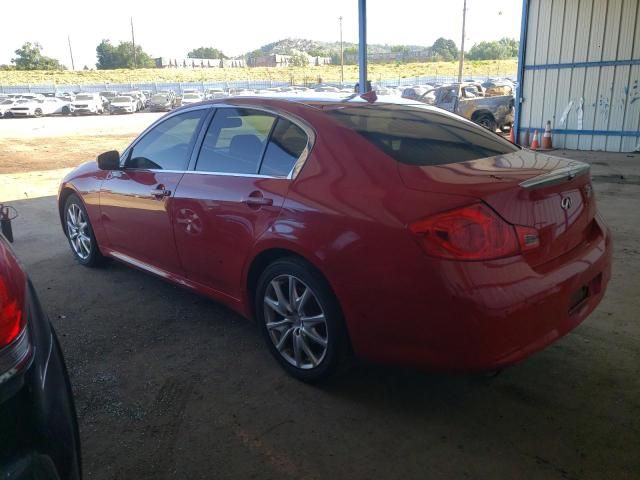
(88, 103)
(25, 107)
(161, 103)
(39, 436)
(468, 100)
(123, 104)
(5, 107)
(397, 231)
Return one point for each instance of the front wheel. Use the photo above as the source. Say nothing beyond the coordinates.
(300, 320)
(80, 234)
(37, 112)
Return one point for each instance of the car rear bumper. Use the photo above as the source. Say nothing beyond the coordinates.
(483, 315)
(38, 427)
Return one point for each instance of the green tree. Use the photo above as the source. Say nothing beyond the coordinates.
(497, 50)
(299, 60)
(512, 46)
(206, 52)
(29, 57)
(121, 56)
(444, 49)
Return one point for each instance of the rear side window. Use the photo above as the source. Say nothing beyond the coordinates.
(418, 136)
(235, 141)
(287, 143)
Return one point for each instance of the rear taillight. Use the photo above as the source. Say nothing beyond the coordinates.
(12, 297)
(474, 232)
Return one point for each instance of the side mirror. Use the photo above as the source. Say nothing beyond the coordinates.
(109, 160)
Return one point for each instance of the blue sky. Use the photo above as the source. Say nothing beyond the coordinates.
(166, 29)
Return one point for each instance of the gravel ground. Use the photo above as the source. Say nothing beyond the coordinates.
(172, 385)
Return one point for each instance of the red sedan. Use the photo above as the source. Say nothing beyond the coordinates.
(399, 232)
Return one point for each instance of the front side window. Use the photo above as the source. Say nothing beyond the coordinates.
(235, 141)
(167, 145)
(287, 143)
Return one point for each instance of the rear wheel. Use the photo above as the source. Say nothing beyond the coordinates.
(37, 112)
(80, 234)
(487, 121)
(300, 320)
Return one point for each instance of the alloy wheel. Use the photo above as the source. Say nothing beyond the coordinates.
(78, 231)
(296, 322)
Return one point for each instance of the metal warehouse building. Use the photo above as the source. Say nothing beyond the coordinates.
(580, 69)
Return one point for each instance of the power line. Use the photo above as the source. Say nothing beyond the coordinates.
(133, 42)
(464, 21)
(73, 67)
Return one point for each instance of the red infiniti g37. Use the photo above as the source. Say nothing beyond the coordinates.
(398, 232)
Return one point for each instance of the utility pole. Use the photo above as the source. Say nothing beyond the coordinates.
(341, 54)
(464, 21)
(133, 42)
(73, 67)
(362, 50)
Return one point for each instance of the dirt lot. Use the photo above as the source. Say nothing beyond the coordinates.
(171, 385)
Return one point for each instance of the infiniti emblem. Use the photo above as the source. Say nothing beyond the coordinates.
(566, 203)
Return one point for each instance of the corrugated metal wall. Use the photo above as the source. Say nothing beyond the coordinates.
(582, 59)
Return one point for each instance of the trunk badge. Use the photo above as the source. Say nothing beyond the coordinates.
(565, 203)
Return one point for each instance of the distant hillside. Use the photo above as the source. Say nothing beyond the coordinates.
(290, 46)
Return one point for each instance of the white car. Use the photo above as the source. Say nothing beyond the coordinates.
(27, 107)
(190, 98)
(5, 106)
(213, 93)
(87, 103)
(123, 104)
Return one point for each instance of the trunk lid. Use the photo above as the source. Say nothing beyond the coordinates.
(551, 194)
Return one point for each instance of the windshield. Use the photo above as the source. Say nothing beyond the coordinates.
(84, 97)
(7, 102)
(160, 98)
(123, 99)
(192, 96)
(421, 136)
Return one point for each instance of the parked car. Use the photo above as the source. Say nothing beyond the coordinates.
(398, 231)
(38, 427)
(123, 104)
(27, 107)
(88, 103)
(214, 93)
(191, 98)
(413, 93)
(141, 101)
(468, 100)
(161, 103)
(5, 107)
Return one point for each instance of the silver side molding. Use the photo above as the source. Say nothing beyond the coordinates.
(560, 175)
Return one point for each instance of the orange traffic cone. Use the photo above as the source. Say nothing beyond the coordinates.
(546, 138)
(512, 139)
(534, 143)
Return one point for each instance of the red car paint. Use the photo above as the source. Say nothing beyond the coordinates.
(348, 213)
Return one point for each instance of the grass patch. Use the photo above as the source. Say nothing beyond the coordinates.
(298, 75)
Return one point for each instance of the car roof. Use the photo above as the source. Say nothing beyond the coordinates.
(321, 101)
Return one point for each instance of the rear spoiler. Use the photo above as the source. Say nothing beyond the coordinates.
(560, 175)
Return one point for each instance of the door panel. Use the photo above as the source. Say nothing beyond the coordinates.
(135, 201)
(136, 215)
(216, 220)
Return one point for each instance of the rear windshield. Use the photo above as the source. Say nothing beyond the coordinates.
(419, 136)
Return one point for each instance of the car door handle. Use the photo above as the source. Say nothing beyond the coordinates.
(255, 199)
(160, 192)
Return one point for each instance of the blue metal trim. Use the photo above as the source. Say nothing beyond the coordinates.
(607, 133)
(603, 63)
(521, 55)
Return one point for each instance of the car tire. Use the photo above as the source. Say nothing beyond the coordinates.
(308, 337)
(79, 232)
(488, 122)
(37, 112)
